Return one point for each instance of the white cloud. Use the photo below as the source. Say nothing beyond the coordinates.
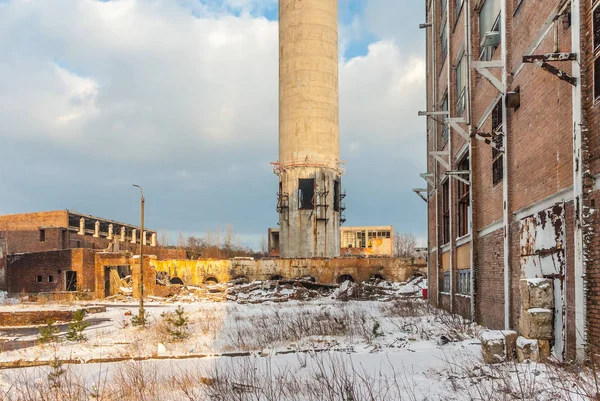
(186, 85)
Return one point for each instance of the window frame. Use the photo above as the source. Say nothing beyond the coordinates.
(446, 229)
(487, 53)
(463, 192)
(444, 104)
(497, 155)
(446, 282)
(464, 282)
(596, 50)
(461, 72)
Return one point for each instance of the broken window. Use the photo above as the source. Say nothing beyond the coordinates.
(489, 29)
(445, 212)
(497, 156)
(50, 279)
(445, 130)
(337, 187)
(461, 84)
(464, 282)
(596, 44)
(463, 191)
(444, 37)
(42, 235)
(306, 193)
(38, 279)
(361, 239)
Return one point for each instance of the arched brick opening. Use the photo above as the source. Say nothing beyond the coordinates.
(211, 280)
(345, 277)
(176, 280)
(276, 277)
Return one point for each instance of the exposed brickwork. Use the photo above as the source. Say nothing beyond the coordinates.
(27, 318)
(489, 288)
(32, 272)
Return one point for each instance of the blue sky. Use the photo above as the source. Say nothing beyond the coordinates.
(180, 96)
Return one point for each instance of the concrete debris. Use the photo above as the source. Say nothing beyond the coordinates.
(498, 346)
(274, 291)
(537, 293)
(536, 323)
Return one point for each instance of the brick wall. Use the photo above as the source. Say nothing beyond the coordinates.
(489, 277)
(32, 221)
(24, 270)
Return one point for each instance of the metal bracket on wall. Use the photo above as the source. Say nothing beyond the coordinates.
(453, 122)
(483, 67)
(420, 192)
(488, 137)
(439, 156)
(428, 177)
(542, 62)
(457, 174)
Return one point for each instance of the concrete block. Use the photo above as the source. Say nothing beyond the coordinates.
(497, 346)
(536, 293)
(527, 350)
(536, 323)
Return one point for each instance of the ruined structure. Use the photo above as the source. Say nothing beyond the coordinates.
(48, 251)
(309, 169)
(355, 241)
(513, 156)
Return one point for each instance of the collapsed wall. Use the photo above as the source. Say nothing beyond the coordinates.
(322, 270)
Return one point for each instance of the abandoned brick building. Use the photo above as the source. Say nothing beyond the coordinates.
(56, 251)
(513, 150)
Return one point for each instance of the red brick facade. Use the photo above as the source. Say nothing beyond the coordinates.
(535, 135)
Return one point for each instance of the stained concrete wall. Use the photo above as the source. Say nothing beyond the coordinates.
(308, 125)
(322, 270)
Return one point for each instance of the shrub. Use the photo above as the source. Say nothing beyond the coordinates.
(177, 324)
(76, 327)
(48, 332)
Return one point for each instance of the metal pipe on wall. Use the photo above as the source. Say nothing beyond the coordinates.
(579, 265)
(505, 200)
(469, 55)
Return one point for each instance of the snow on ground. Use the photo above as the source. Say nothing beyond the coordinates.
(317, 349)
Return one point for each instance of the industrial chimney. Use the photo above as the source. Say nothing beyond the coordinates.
(309, 169)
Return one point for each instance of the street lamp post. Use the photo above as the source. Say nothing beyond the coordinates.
(141, 283)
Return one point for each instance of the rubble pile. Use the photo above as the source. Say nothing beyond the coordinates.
(275, 291)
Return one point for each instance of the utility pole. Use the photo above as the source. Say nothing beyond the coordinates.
(142, 315)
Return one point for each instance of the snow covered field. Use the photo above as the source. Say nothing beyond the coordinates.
(321, 349)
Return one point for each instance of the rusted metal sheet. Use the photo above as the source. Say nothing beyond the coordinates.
(543, 255)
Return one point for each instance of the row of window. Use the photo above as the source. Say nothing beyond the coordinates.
(463, 283)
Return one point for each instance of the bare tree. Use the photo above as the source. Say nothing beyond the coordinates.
(264, 246)
(164, 238)
(405, 245)
(180, 241)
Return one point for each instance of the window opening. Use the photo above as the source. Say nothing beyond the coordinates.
(306, 193)
(71, 280)
(461, 84)
(445, 129)
(446, 282)
(42, 235)
(50, 279)
(445, 212)
(497, 156)
(489, 29)
(464, 282)
(463, 191)
(38, 279)
(596, 44)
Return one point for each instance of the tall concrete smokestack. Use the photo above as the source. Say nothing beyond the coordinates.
(309, 168)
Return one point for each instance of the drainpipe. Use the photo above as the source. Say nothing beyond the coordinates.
(580, 306)
(427, 76)
(469, 55)
(435, 148)
(506, 220)
(450, 199)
